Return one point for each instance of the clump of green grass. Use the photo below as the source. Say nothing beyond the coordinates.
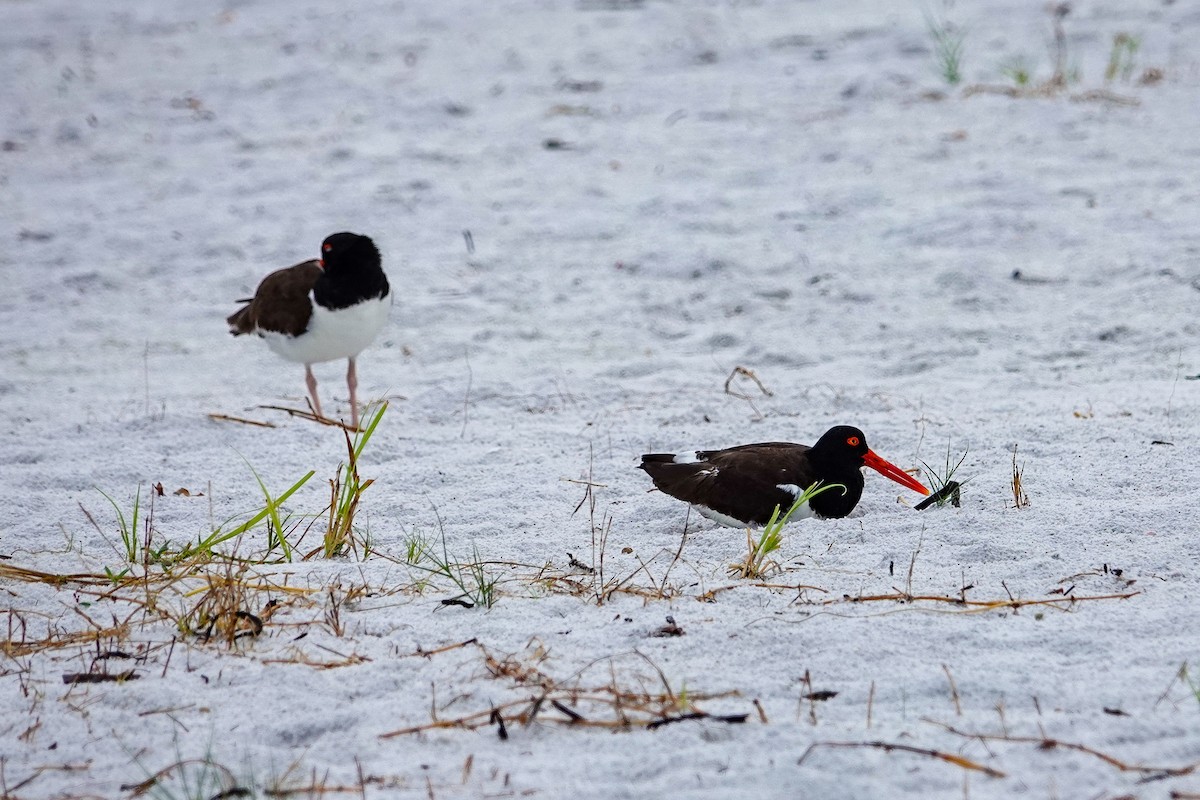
(1122, 58)
(1019, 70)
(278, 531)
(948, 44)
(136, 533)
(276, 534)
(346, 489)
(193, 779)
(940, 481)
(417, 547)
(205, 778)
(758, 561)
(476, 585)
(143, 550)
(127, 528)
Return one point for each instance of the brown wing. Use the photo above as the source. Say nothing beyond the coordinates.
(740, 482)
(280, 304)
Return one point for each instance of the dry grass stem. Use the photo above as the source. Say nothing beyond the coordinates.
(241, 420)
(1062, 603)
(346, 489)
(1020, 499)
(1048, 743)
(1051, 90)
(312, 416)
(888, 747)
(641, 702)
(953, 690)
(743, 372)
(757, 562)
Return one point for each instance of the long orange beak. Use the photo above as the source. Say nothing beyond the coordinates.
(889, 470)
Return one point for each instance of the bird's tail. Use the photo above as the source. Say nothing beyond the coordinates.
(241, 321)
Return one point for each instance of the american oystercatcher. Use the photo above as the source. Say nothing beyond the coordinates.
(321, 310)
(741, 486)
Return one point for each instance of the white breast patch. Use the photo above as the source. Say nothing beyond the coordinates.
(331, 335)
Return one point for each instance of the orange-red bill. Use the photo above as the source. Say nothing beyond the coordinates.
(890, 470)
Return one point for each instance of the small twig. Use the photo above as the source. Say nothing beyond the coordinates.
(888, 747)
(1060, 42)
(748, 374)
(912, 563)
(810, 696)
(662, 587)
(573, 715)
(312, 417)
(1174, 385)
(170, 652)
(733, 719)
(498, 719)
(575, 563)
(1020, 499)
(953, 690)
(1047, 743)
(467, 393)
(362, 781)
(71, 678)
(445, 649)
(1180, 676)
(585, 483)
(243, 421)
(1008, 591)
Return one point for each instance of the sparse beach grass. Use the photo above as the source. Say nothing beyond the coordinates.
(758, 562)
(587, 225)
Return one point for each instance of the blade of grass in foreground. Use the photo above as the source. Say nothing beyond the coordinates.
(756, 563)
(128, 528)
(348, 489)
(220, 536)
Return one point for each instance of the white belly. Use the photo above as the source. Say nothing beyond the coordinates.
(331, 335)
(803, 512)
(717, 516)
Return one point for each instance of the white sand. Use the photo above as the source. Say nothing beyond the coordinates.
(764, 184)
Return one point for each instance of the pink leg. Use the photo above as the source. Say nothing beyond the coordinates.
(352, 385)
(311, 380)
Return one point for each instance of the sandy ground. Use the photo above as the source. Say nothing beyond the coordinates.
(591, 212)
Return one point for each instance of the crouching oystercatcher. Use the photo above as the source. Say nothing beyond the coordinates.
(741, 486)
(321, 310)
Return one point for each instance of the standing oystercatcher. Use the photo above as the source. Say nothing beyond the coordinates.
(321, 310)
(741, 486)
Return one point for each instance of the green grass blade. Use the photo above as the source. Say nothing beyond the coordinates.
(218, 536)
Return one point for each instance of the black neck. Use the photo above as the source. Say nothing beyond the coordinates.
(349, 286)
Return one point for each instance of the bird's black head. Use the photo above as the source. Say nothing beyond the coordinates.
(843, 451)
(342, 252)
(842, 447)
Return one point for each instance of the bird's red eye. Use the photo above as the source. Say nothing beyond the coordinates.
(852, 441)
(327, 247)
